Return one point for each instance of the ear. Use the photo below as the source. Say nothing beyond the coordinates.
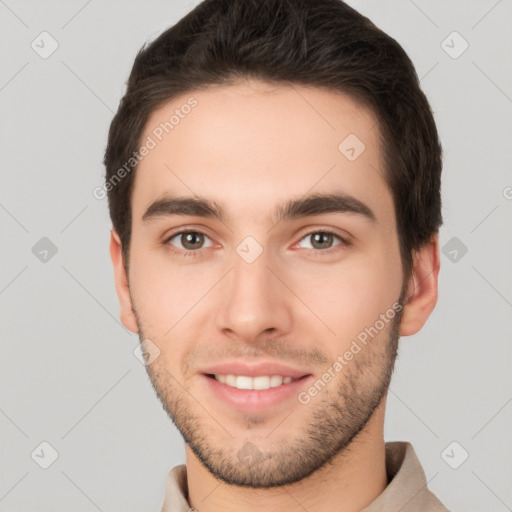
(422, 289)
(121, 281)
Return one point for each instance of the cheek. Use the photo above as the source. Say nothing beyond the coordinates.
(165, 305)
(163, 293)
(349, 296)
(164, 300)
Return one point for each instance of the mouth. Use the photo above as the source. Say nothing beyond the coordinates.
(254, 394)
(260, 383)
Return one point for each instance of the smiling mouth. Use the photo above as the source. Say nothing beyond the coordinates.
(258, 383)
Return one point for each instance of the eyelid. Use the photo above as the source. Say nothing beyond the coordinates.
(343, 235)
(185, 229)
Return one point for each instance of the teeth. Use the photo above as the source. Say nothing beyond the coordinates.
(259, 383)
(276, 380)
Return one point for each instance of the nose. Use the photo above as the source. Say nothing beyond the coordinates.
(254, 301)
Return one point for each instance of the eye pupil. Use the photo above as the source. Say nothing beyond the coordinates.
(318, 237)
(189, 239)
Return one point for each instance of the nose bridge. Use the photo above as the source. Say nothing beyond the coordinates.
(251, 272)
(253, 300)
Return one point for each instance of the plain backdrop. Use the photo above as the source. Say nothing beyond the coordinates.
(69, 376)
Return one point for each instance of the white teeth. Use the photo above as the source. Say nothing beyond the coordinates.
(259, 383)
(275, 381)
(243, 382)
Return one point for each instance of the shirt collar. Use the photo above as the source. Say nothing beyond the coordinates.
(406, 491)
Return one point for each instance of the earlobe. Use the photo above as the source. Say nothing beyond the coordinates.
(121, 283)
(422, 290)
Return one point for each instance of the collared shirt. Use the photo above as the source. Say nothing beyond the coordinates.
(406, 491)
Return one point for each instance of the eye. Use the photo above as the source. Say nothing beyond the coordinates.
(190, 241)
(322, 241)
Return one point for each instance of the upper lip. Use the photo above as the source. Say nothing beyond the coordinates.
(237, 367)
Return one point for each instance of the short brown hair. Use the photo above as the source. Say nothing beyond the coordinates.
(323, 43)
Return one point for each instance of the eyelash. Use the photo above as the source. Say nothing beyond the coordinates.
(317, 252)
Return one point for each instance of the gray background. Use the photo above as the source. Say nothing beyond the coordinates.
(68, 372)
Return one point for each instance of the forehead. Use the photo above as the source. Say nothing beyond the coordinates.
(254, 145)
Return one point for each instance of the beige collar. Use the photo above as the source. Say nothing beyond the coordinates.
(407, 490)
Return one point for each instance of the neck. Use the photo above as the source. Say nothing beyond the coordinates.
(348, 483)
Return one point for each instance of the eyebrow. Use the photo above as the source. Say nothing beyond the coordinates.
(314, 204)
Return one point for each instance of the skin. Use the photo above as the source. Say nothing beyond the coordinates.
(250, 147)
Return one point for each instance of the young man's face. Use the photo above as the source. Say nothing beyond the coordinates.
(257, 290)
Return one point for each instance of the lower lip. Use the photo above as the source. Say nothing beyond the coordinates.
(256, 400)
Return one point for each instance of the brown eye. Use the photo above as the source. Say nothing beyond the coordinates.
(192, 240)
(189, 241)
(323, 240)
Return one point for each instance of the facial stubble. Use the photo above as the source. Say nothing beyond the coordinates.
(337, 418)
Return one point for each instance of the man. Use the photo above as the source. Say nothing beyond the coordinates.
(273, 174)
